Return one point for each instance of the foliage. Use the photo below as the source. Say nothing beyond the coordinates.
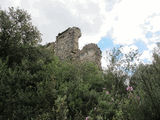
(36, 85)
(146, 79)
(18, 37)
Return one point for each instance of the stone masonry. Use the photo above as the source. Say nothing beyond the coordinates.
(66, 47)
(91, 53)
(67, 43)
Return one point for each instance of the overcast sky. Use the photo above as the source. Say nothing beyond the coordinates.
(132, 23)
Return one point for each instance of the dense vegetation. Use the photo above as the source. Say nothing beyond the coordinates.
(35, 85)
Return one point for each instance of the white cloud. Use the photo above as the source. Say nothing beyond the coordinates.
(59, 15)
(131, 14)
(135, 20)
(109, 4)
(151, 27)
(54, 16)
(105, 61)
(146, 55)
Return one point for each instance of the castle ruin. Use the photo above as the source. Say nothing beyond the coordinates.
(66, 48)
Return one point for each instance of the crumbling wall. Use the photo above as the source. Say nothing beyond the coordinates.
(66, 47)
(67, 43)
(51, 46)
(91, 53)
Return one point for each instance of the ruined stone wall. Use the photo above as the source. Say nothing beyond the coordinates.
(51, 47)
(91, 53)
(66, 47)
(67, 43)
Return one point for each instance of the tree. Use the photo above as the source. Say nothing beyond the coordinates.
(17, 35)
(120, 69)
(147, 83)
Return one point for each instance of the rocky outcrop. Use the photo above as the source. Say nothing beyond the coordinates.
(66, 47)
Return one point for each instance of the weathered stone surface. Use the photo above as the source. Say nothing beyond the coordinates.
(91, 53)
(66, 47)
(67, 43)
(51, 46)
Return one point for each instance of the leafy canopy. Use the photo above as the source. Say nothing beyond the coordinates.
(17, 35)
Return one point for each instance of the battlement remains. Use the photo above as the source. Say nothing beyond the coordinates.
(66, 47)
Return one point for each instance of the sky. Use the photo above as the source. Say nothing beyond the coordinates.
(134, 24)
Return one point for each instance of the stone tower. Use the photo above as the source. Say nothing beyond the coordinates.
(67, 43)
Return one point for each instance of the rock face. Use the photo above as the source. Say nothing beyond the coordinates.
(66, 47)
